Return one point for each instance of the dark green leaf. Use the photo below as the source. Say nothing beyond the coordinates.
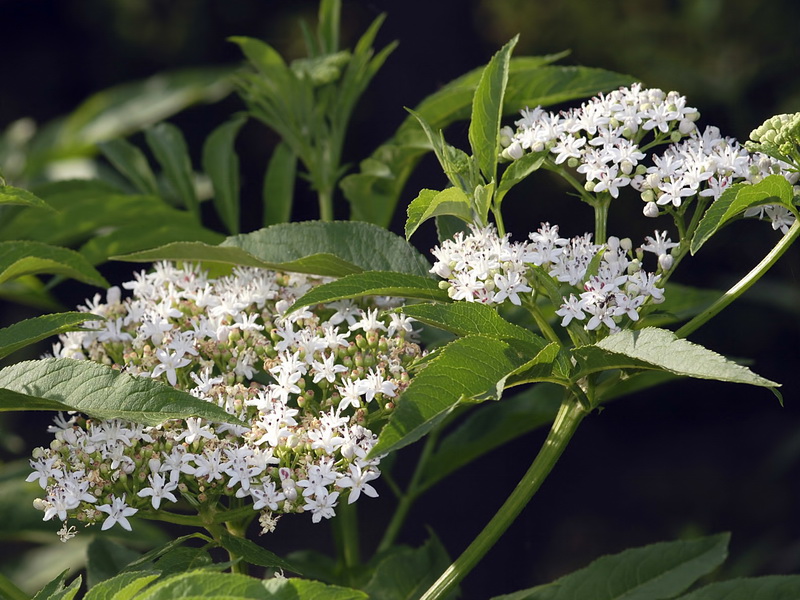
(470, 368)
(98, 391)
(170, 149)
(12, 195)
(303, 589)
(487, 111)
(84, 211)
(773, 189)
(140, 236)
(489, 426)
(771, 587)
(374, 283)
(106, 558)
(655, 572)
(27, 258)
(122, 587)
(182, 559)
(279, 185)
(364, 246)
(520, 169)
(253, 553)
(145, 560)
(29, 331)
(131, 162)
(221, 164)
(681, 302)
(335, 249)
(430, 203)
(55, 590)
(408, 572)
(653, 348)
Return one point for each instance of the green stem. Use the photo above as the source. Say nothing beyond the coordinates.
(345, 529)
(10, 591)
(411, 494)
(541, 322)
(585, 196)
(566, 422)
(325, 204)
(168, 517)
(744, 284)
(600, 206)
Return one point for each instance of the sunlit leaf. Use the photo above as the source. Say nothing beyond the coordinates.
(20, 258)
(430, 203)
(98, 391)
(20, 197)
(29, 331)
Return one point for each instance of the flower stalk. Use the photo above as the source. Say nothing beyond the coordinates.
(564, 426)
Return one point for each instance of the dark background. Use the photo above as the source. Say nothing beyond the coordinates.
(689, 458)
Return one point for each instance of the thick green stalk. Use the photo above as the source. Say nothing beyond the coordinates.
(345, 529)
(743, 284)
(566, 422)
(325, 204)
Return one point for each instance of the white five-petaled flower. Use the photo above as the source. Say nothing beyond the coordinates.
(118, 512)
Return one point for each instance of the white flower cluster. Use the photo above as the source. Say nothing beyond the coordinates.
(477, 268)
(307, 384)
(482, 267)
(606, 138)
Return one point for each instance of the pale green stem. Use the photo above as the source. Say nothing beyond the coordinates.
(600, 205)
(566, 422)
(10, 591)
(541, 322)
(743, 284)
(407, 499)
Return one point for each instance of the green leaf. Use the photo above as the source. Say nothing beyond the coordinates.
(106, 558)
(430, 203)
(253, 553)
(145, 560)
(131, 162)
(202, 584)
(655, 572)
(29, 331)
(182, 559)
(374, 192)
(335, 249)
(482, 202)
(408, 572)
(653, 348)
(18, 196)
(143, 235)
(170, 149)
(770, 587)
(473, 318)
(20, 258)
(520, 169)
(773, 189)
(374, 283)
(55, 590)
(487, 111)
(221, 164)
(681, 303)
(279, 185)
(83, 210)
(260, 54)
(124, 586)
(296, 589)
(489, 426)
(470, 368)
(10, 591)
(98, 391)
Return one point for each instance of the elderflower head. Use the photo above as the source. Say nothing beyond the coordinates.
(603, 297)
(306, 386)
(604, 141)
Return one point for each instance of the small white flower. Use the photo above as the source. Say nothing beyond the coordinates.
(118, 512)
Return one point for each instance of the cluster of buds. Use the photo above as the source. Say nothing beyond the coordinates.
(482, 267)
(308, 384)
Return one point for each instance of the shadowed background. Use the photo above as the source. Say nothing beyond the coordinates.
(688, 458)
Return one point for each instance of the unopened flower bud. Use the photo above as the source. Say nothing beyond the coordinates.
(665, 261)
(650, 210)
